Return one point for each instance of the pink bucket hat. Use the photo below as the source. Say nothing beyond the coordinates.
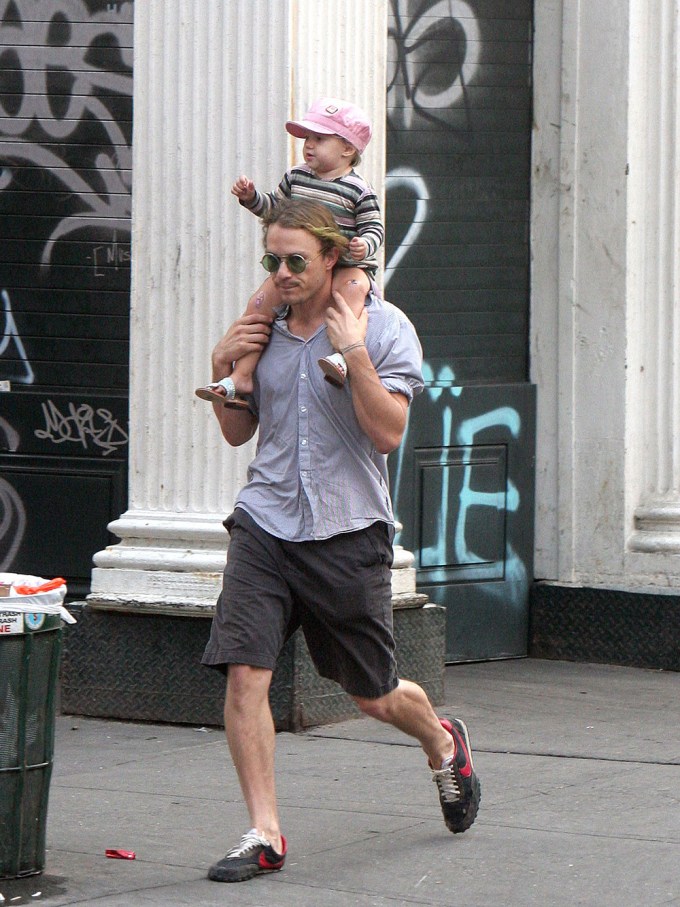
(330, 116)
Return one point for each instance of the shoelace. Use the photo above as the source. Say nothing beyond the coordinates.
(249, 842)
(446, 781)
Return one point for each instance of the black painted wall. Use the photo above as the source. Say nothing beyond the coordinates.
(457, 255)
(65, 202)
(458, 159)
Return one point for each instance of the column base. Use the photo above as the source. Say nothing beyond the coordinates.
(657, 529)
(172, 563)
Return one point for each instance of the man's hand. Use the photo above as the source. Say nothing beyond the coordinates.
(342, 325)
(381, 414)
(244, 189)
(358, 248)
(248, 334)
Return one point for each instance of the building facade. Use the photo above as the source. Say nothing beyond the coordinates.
(605, 318)
(532, 150)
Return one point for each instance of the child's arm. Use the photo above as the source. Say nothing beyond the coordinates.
(260, 203)
(358, 248)
(244, 189)
(370, 228)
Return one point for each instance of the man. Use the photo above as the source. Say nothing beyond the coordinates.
(311, 532)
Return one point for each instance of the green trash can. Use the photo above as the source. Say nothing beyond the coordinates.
(30, 648)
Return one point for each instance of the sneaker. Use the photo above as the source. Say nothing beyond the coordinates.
(252, 856)
(459, 787)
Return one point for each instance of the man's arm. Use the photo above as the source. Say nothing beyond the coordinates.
(380, 413)
(249, 333)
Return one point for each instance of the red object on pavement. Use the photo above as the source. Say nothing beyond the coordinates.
(116, 854)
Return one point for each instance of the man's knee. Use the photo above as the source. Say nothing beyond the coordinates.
(246, 685)
(380, 708)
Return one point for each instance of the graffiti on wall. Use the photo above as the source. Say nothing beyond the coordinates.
(44, 104)
(12, 512)
(435, 57)
(10, 338)
(423, 85)
(65, 187)
(426, 87)
(82, 424)
(450, 534)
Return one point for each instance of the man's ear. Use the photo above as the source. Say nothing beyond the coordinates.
(332, 257)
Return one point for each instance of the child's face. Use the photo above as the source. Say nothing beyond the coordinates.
(326, 154)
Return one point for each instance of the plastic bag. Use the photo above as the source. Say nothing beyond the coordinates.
(40, 596)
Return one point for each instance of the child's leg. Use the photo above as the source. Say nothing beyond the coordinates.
(353, 285)
(240, 381)
(262, 301)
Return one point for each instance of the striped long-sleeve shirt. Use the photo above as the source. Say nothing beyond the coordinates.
(351, 199)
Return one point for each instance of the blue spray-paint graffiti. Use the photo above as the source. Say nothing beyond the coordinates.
(503, 499)
(441, 390)
(507, 499)
(436, 54)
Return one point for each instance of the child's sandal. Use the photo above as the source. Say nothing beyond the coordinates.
(334, 368)
(211, 393)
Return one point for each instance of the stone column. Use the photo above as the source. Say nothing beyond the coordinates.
(656, 366)
(214, 83)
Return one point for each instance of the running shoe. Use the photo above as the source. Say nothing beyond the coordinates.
(252, 856)
(459, 787)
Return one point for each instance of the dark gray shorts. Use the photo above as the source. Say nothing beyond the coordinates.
(338, 590)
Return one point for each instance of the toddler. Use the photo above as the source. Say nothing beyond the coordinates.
(335, 134)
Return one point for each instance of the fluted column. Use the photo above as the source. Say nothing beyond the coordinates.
(657, 515)
(214, 83)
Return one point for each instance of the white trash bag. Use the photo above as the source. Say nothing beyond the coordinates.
(25, 594)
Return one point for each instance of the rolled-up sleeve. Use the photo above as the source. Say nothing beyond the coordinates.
(395, 350)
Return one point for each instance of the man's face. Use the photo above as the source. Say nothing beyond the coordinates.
(315, 279)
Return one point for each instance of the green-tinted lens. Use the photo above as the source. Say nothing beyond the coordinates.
(270, 262)
(296, 263)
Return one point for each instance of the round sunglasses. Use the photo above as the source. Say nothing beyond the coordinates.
(295, 263)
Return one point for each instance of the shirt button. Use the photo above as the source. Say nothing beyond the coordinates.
(304, 442)
(303, 374)
(303, 409)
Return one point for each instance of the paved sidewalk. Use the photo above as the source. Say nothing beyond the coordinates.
(580, 772)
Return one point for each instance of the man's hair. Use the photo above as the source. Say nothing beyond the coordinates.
(315, 218)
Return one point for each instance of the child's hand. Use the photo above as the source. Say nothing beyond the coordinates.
(358, 248)
(243, 189)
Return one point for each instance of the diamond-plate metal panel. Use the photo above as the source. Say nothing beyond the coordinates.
(638, 629)
(147, 668)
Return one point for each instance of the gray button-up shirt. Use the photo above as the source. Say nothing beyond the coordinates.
(316, 474)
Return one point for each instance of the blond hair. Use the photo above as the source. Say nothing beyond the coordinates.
(315, 218)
